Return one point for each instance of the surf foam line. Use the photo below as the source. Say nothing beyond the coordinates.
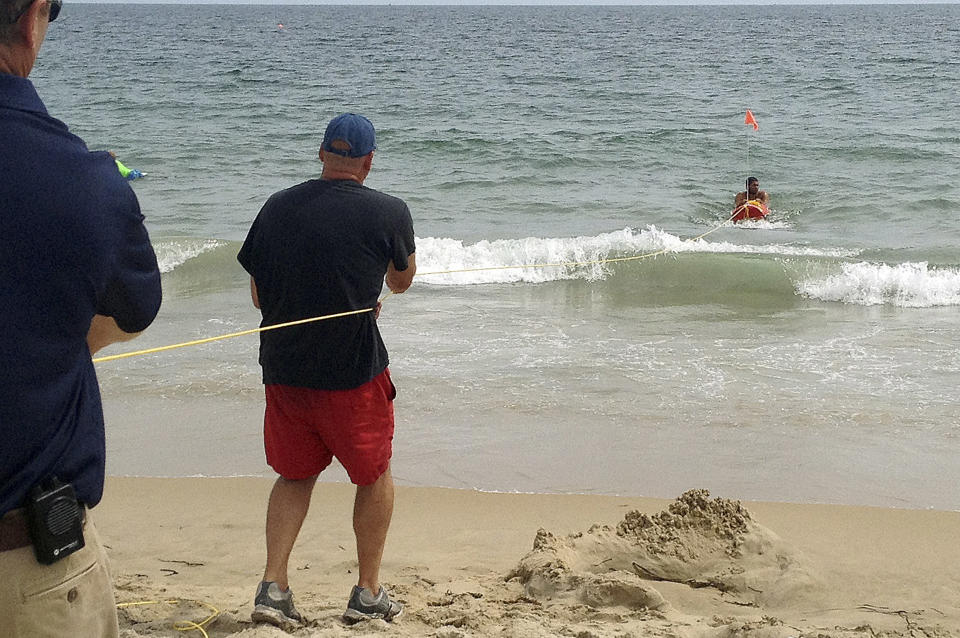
(450, 262)
(576, 264)
(172, 253)
(197, 342)
(907, 285)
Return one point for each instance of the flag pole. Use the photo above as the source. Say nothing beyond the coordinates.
(746, 188)
(752, 121)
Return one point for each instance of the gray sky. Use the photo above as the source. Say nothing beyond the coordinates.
(523, 2)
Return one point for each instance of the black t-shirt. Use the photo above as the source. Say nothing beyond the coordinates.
(319, 248)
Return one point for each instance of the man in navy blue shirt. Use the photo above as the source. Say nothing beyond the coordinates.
(77, 272)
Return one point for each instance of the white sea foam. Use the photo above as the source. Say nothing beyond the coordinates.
(764, 224)
(173, 253)
(540, 259)
(907, 285)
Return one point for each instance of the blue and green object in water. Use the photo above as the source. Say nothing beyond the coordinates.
(128, 173)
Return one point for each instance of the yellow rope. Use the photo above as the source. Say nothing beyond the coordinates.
(251, 331)
(750, 202)
(181, 625)
(228, 336)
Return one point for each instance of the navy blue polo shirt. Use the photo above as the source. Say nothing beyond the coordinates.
(319, 248)
(72, 244)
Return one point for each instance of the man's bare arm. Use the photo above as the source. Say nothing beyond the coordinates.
(253, 293)
(104, 331)
(399, 280)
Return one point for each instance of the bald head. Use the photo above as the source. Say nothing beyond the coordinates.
(342, 167)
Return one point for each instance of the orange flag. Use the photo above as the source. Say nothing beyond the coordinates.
(751, 120)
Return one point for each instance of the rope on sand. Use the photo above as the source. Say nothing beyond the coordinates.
(181, 625)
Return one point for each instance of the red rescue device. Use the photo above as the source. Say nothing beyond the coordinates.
(751, 209)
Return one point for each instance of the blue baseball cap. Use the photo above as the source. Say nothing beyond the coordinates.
(354, 130)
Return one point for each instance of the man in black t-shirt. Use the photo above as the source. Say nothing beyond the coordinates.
(324, 247)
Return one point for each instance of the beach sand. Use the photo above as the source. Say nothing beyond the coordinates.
(477, 564)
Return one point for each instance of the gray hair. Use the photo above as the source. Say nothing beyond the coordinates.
(8, 10)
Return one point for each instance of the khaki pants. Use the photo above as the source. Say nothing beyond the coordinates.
(71, 598)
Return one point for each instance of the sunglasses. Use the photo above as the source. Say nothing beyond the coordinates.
(55, 6)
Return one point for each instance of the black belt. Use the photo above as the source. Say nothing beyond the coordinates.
(14, 532)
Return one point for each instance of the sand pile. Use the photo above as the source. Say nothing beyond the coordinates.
(697, 542)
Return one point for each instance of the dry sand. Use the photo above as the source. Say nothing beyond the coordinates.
(515, 565)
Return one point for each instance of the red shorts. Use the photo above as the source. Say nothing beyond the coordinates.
(304, 429)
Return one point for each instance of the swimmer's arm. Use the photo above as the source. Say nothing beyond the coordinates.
(254, 297)
(104, 331)
(763, 197)
(739, 199)
(399, 280)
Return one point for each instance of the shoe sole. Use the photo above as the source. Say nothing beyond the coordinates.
(352, 616)
(275, 617)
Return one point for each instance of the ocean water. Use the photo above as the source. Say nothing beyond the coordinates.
(810, 357)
